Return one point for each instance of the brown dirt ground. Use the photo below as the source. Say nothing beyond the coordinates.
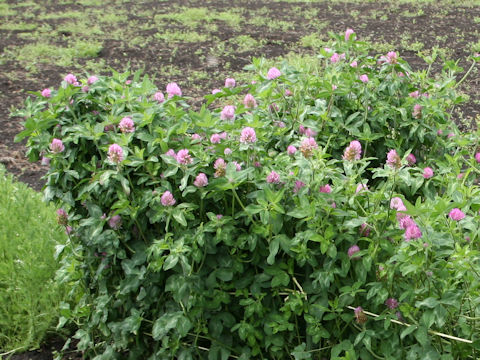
(453, 28)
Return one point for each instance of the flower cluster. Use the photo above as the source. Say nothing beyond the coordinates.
(393, 160)
(353, 151)
(248, 135)
(228, 113)
(183, 157)
(126, 125)
(57, 146)
(307, 146)
(115, 153)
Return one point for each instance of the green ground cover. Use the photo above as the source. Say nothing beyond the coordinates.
(29, 294)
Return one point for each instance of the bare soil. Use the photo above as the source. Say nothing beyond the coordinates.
(407, 27)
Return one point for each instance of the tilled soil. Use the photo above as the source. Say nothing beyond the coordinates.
(134, 33)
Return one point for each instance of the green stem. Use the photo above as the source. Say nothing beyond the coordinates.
(168, 222)
(233, 205)
(466, 74)
(241, 205)
(390, 198)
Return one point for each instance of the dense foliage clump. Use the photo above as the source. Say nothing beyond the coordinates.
(307, 214)
(29, 295)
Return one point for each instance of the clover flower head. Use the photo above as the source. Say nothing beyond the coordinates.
(229, 83)
(115, 222)
(327, 189)
(159, 97)
(249, 101)
(126, 125)
(173, 89)
(392, 57)
(427, 173)
(57, 146)
(411, 159)
(477, 157)
(238, 166)
(298, 185)
(348, 33)
(417, 111)
(335, 58)
(248, 135)
(456, 214)
(273, 73)
(228, 113)
(71, 79)
(220, 166)
(412, 232)
(62, 217)
(393, 160)
(167, 199)
(215, 139)
(183, 157)
(363, 78)
(361, 187)
(352, 251)
(46, 93)
(353, 151)
(397, 204)
(115, 153)
(405, 221)
(391, 303)
(201, 180)
(360, 316)
(92, 79)
(307, 146)
(273, 178)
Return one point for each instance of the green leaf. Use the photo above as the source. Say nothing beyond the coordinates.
(299, 352)
(408, 330)
(428, 318)
(170, 261)
(224, 274)
(343, 346)
(428, 302)
(281, 278)
(421, 335)
(299, 213)
(356, 222)
(179, 216)
(273, 247)
(164, 324)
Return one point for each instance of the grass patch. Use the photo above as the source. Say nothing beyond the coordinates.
(246, 43)
(79, 28)
(193, 17)
(178, 36)
(5, 10)
(63, 15)
(18, 26)
(313, 41)
(44, 52)
(29, 296)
